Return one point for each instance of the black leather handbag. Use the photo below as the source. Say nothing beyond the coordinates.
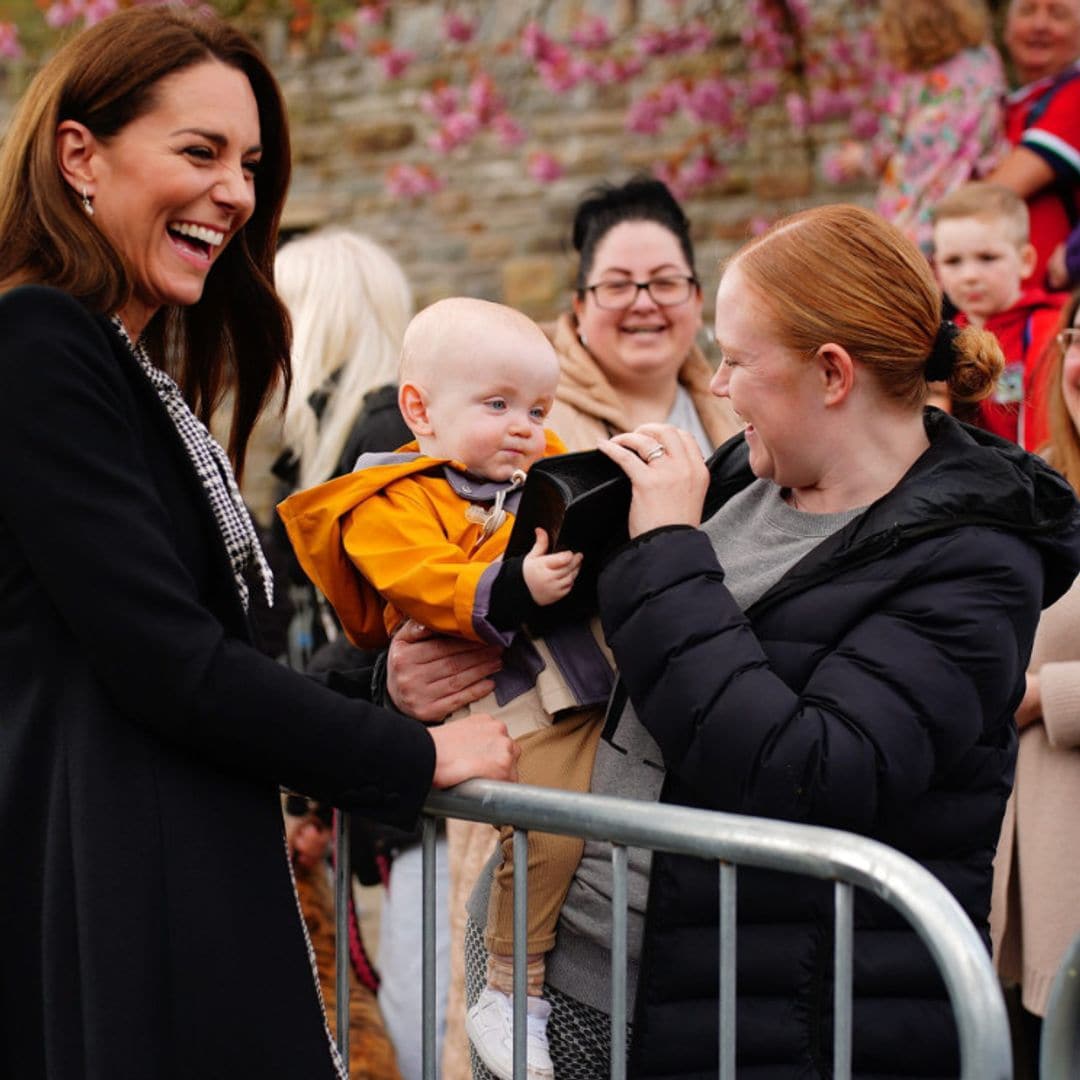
(582, 501)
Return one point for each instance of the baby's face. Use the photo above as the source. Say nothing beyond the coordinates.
(488, 408)
(979, 264)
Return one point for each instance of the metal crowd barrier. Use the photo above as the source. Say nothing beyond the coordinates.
(733, 840)
(1059, 1055)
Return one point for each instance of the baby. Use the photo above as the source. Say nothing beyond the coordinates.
(420, 534)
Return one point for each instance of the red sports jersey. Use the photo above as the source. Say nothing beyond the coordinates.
(1044, 117)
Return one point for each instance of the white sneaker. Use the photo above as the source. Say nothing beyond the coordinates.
(490, 1027)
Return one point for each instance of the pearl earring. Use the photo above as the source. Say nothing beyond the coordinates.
(87, 205)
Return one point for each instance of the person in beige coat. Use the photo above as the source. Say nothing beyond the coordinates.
(1036, 901)
(628, 357)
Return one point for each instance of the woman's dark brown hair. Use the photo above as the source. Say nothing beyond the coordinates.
(237, 336)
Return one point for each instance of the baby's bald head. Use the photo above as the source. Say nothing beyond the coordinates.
(453, 338)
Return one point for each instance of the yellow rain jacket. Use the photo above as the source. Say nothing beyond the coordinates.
(394, 540)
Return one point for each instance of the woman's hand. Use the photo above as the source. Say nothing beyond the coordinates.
(475, 747)
(1029, 710)
(428, 675)
(667, 472)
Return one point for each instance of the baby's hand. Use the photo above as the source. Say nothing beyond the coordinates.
(549, 577)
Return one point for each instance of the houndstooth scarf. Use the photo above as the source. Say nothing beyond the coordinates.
(215, 474)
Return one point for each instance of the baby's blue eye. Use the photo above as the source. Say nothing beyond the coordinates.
(537, 413)
(497, 404)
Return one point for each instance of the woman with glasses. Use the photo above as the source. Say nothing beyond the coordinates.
(828, 624)
(627, 347)
(1035, 913)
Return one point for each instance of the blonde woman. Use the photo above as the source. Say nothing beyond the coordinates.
(349, 302)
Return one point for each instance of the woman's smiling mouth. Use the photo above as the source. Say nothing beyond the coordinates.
(200, 240)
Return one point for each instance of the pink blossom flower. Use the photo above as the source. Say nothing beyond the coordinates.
(656, 41)
(441, 102)
(96, 10)
(711, 101)
(62, 13)
(844, 163)
(825, 104)
(10, 49)
(484, 97)
(800, 10)
(394, 62)
(614, 70)
(455, 131)
(372, 12)
(544, 167)
(536, 45)
(457, 28)
(798, 111)
(651, 42)
(592, 33)
(644, 117)
(701, 171)
(563, 73)
(411, 181)
(508, 130)
(865, 123)
(347, 36)
(671, 96)
(697, 37)
(758, 224)
(763, 90)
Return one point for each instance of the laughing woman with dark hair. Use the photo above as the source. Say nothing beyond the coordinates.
(148, 923)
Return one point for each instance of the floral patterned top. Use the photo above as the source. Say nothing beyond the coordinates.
(940, 128)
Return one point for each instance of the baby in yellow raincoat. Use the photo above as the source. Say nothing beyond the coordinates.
(419, 533)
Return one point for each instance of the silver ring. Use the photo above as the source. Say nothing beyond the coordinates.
(659, 450)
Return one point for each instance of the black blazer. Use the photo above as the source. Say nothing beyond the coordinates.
(148, 924)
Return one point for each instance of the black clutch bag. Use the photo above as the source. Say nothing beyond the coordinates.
(582, 501)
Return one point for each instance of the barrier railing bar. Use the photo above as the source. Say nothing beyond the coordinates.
(728, 946)
(813, 851)
(1059, 1048)
(619, 905)
(427, 969)
(342, 962)
(521, 900)
(842, 990)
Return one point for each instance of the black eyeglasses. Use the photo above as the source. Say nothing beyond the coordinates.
(665, 292)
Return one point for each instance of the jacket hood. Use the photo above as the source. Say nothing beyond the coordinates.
(966, 477)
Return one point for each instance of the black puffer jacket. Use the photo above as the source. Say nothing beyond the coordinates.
(871, 689)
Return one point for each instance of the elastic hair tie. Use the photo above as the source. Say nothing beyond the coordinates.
(939, 364)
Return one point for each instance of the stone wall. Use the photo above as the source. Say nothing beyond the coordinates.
(493, 231)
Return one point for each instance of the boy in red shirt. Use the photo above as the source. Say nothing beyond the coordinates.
(982, 254)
